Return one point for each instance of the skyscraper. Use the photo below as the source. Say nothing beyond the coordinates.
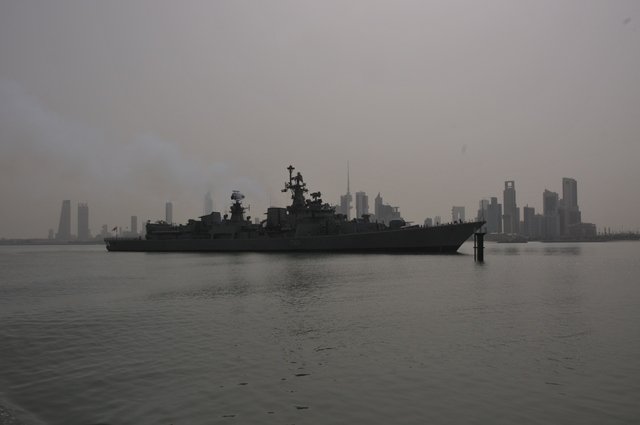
(457, 213)
(345, 205)
(570, 212)
(377, 206)
(550, 206)
(483, 210)
(494, 216)
(511, 217)
(64, 227)
(385, 213)
(483, 213)
(362, 204)
(168, 212)
(528, 214)
(83, 222)
(208, 204)
(570, 192)
(134, 224)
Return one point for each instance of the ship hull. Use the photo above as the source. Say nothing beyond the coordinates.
(437, 239)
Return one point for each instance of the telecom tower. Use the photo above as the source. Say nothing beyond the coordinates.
(345, 200)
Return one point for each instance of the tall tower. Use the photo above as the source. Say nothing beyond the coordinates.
(511, 217)
(208, 204)
(570, 214)
(83, 221)
(345, 200)
(168, 212)
(64, 227)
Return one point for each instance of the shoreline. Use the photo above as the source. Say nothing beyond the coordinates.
(14, 242)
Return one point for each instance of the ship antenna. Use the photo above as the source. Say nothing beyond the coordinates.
(290, 168)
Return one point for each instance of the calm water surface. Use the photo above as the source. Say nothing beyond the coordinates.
(539, 334)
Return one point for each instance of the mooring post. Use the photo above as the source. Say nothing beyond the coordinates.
(475, 247)
(478, 247)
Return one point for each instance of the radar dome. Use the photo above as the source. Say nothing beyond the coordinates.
(237, 196)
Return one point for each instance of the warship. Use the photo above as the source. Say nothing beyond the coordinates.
(308, 224)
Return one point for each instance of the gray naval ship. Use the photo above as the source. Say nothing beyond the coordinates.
(305, 225)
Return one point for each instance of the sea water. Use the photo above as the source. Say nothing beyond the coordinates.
(538, 334)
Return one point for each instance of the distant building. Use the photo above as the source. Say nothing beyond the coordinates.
(528, 223)
(134, 224)
(428, 222)
(437, 221)
(569, 211)
(385, 213)
(83, 222)
(483, 213)
(104, 231)
(362, 204)
(345, 205)
(64, 227)
(345, 200)
(570, 192)
(511, 212)
(208, 204)
(550, 205)
(538, 226)
(168, 212)
(483, 210)
(457, 213)
(493, 216)
(582, 230)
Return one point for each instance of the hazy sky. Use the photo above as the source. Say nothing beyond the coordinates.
(128, 104)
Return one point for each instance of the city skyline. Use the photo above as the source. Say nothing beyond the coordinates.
(490, 207)
(433, 104)
(559, 217)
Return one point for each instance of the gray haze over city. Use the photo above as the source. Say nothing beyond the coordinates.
(126, 105)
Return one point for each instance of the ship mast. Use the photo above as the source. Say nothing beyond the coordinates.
(237, 210)
(298, 188)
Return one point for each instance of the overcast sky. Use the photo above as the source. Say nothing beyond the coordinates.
(128, 104)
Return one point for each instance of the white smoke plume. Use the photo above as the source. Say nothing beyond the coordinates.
(118, 178)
